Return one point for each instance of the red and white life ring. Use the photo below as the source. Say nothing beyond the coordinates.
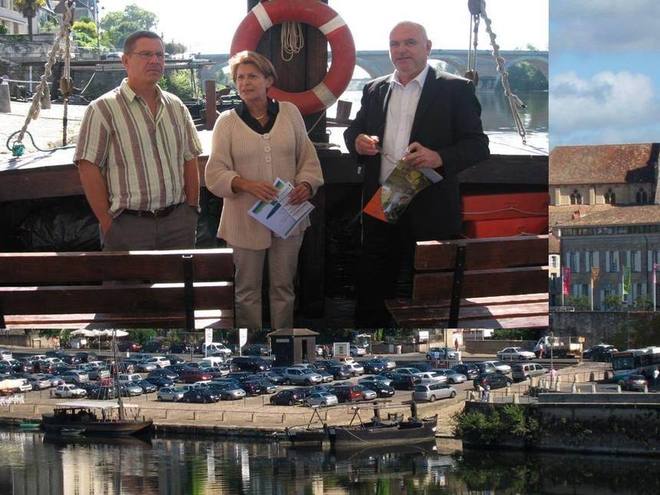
(326, 20)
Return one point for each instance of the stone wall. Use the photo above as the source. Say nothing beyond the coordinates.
(597, 326)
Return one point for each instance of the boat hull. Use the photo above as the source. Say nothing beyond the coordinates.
(403, 433)
(112, 428)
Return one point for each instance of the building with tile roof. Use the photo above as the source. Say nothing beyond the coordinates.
(604, 214)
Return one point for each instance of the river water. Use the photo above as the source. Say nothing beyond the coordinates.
(33, 465)
(496, 119)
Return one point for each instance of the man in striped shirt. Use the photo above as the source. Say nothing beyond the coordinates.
(137, 157)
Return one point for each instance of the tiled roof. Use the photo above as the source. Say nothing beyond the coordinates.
(618, 215)
(603, 164)
(561, 215)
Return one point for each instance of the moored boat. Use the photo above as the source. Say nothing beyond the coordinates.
(388, 432)
(96, 418)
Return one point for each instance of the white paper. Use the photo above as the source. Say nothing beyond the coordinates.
(278, 215)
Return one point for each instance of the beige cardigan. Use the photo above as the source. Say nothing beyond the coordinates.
(285, 152)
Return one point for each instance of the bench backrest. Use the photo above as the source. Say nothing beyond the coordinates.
(136, 288)
(491, 267)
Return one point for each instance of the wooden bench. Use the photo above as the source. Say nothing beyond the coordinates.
(499, 282)
(136, 289)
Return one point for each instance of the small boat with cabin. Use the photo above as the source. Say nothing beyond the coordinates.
(96, 418)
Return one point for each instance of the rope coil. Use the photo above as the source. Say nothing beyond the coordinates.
(292, 40)
(61, 49)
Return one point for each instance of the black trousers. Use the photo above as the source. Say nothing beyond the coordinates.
(385, 270)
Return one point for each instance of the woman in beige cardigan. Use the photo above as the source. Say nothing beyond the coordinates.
(253, 144)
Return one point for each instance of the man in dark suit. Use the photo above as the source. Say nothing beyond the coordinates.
(430, 119)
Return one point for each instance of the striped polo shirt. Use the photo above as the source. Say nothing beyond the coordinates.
(140, 156)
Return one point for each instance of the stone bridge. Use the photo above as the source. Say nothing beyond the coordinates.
(377, 62)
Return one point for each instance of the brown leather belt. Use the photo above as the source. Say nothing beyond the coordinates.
(161, 212)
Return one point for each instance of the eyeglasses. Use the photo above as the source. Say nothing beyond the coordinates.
(149, 55)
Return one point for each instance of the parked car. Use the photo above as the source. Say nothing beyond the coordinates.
(431, 376)
(124, 378)
(600, 352)
(288, 397)
(68, 391)
(433, 391)
(493, 380)
(302, 376)
(515, 353)
(520, 372)
(446, 353)
(201, 395)
(381, 389)
(470, 370)
(321, 399)
(452, 375)
(347, 392)
(147, 386)
(5, 354)
(160, 381)
(227, 390)
(407, 371)
(256, 350)
(179, 348)
(170, 394)
(159, 361)
(250, 363)
(192, 375)
(636, 383)
(75, 376)
(130, 390)
(367, 393)
(375, 366)
(86, 356)
(371, 380)
(167, 373)
(214, 348)
(153, 346)
(340, 371)
(39, 381)
(486, 367)
(356, 368)
(356, 351)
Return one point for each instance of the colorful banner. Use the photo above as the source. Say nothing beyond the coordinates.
(566, 281)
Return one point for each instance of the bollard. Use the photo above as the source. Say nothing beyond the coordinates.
(5, 100)
(516, 398)
(646, 388)
(574, 388)
(593, 388)
(618, 389)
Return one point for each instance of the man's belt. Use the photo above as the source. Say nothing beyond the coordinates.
(159, 213)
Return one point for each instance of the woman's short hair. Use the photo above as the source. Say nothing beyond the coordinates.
(245, 57)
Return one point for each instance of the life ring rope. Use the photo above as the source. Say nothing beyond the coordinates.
(317, 14)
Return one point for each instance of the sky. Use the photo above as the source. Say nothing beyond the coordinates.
(207, 26)
(604, 75)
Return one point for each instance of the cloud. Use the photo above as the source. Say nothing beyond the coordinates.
(604, 25)
(608, 107)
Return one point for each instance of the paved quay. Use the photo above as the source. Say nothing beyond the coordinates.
(46, 129)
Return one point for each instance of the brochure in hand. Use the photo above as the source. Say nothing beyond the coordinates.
(398, 190)
(278, 215)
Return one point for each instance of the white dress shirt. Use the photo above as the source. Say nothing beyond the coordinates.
(399, 120)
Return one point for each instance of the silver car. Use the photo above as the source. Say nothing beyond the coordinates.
(302, 376)
(321, 399)
(367, 394)
(453, 376)
(171, 394)
(433, 391)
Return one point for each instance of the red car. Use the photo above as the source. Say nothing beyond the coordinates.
(347, 393)
(195, 375)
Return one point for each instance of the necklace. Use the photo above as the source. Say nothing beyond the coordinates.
(259, 117)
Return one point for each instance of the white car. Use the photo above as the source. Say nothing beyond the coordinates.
(356, 368)
(431, 377)
(496, 366)
(357, 351)
(68, 391)
(515, 353)
(5, 355)
(159, 361)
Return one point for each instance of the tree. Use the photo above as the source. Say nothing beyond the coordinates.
(174, 48)
(118, 25)
(29, 9)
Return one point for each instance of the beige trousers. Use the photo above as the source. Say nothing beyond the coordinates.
(282, 266)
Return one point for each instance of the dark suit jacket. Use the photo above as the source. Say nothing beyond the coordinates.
(448, 121)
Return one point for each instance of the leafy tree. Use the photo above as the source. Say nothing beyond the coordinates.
(118, 25)
(3, 29)
(85, 34)
(178, 82)
(174, 48)
(48, 24)
(525, 77)
(639, 332)
(29, 9)
(643, 303)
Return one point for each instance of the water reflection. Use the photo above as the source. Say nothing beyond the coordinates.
(32, 465)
